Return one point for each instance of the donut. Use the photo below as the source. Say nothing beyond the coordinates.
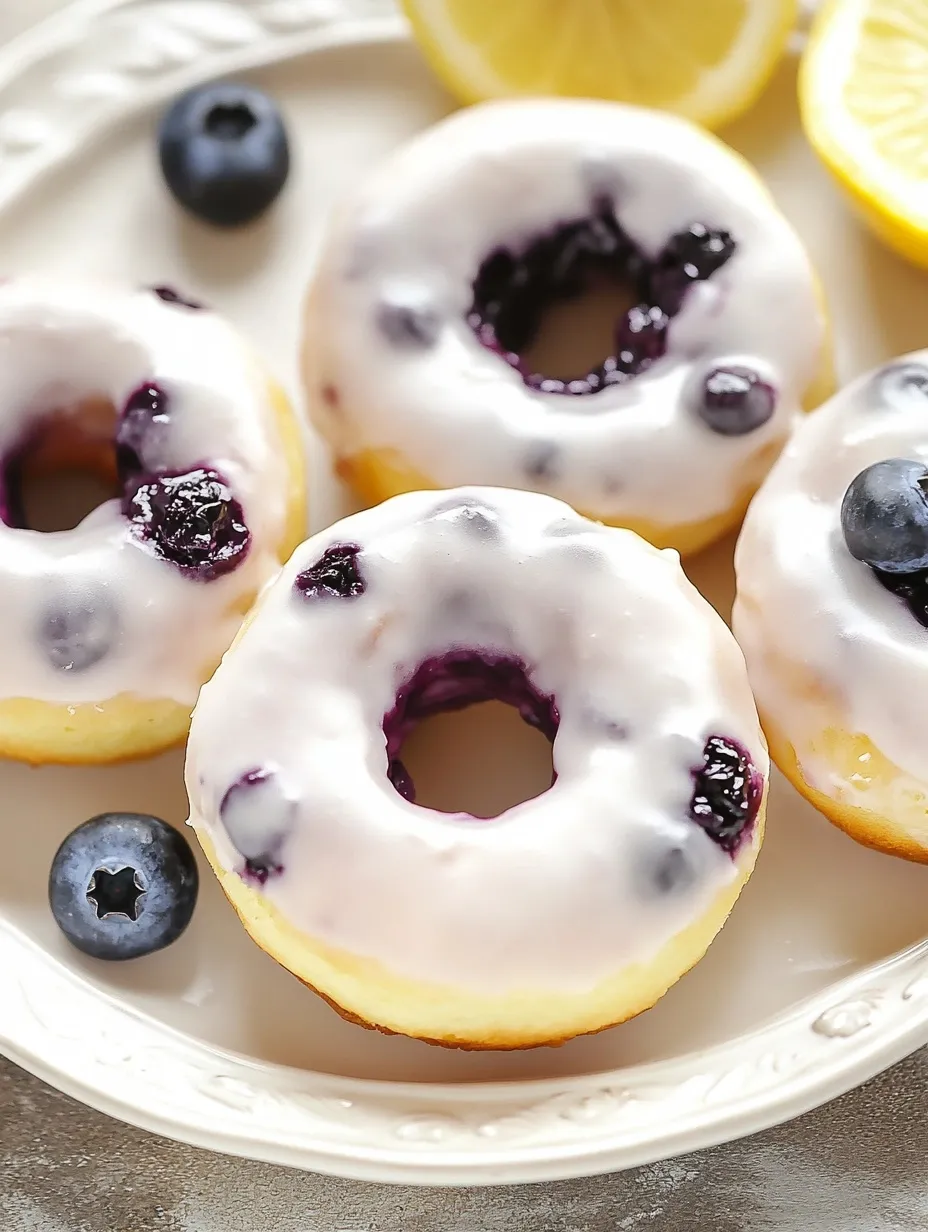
(832, 608)
(436, 276)
(110, 627)
(563, 915)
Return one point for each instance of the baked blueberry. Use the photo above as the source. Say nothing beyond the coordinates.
(78, 631)
(513, 290)
(123, 885)
(734, 401)
(541, 464)
(478, 520)
(191, 520)
(688, 256)
(141, 430)
(258, 815)
(640, 339)
(901, 383)
(670, 870)
(911, 588)
(224, 152)
(170, 296)
(726, 792)
(335, 575)
(884, 516)
(401, 779)
(408, 325)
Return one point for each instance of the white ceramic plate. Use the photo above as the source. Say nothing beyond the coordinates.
(817, 982)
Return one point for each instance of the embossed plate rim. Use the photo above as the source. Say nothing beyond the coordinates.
(60, 86)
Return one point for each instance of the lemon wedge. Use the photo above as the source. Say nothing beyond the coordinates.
(863, 90)
(704, 59)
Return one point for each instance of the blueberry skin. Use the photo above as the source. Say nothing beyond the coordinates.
(145, 869)
(884, 516)
(224, 153)
(734, 401)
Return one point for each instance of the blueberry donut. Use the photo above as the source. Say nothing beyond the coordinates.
(563, 915)
(832, 608)
(110, 628)
(437, 276)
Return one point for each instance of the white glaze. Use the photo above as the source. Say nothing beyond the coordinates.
(555, 891)
(808, 611)
(62, 344)
(416, 232)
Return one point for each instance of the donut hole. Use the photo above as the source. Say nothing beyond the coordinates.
(64, 469)
(471, 734)
(611, 298)
(573, 335)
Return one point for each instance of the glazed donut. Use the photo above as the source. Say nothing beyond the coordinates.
(563, 915)
(111, 627)
(436, 275)
(832, 608)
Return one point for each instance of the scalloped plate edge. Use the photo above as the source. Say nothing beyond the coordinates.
(61, 85)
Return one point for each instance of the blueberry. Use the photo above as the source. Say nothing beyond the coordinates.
(258, 815)
(78, 631)
(641, 338)
(123, 885)
(142, 428)
(884, 516)
(335, 575)
(911, 588)
(688, 256)
(670, 870)
(903, 383)
(478, 520)
(541, 464)
(734, 401)
(170, 296)
(401, 779)
(726, 792)
(409, 326)
(191, 520)
(513, 290)
(224, 152)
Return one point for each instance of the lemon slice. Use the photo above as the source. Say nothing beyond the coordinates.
(863, 90)
(704, 59)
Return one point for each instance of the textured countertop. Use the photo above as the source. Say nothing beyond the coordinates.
(857, 1165)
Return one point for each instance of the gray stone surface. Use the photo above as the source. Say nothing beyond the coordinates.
(857, 1165)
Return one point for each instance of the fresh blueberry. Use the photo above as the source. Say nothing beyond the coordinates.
(170, 296)
(335, 575)
(884, 516)
(123, 885)
(258, 815)
(78, 631)
(191, 520)
(142, 429)
(734, 401)
(224, 152)
(726, 792)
